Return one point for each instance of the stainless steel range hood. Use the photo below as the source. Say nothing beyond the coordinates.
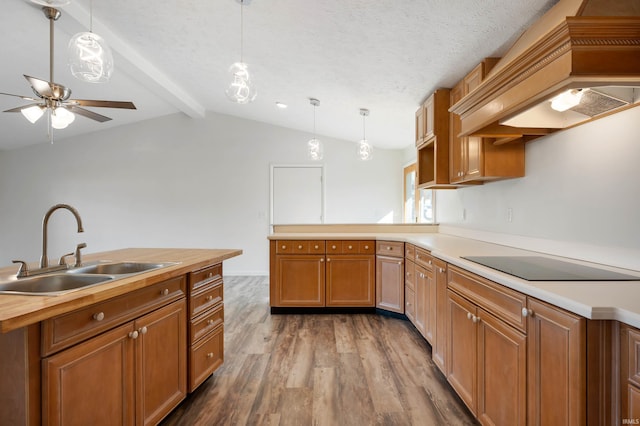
(585, 47)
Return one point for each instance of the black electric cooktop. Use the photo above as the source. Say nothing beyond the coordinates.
(538, 268)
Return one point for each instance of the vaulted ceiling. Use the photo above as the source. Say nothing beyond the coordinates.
(172, 56)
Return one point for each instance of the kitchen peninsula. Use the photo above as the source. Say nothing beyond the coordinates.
(515, 351)
(129, 349)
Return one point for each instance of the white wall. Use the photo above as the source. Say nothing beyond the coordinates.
(178, 182)
(582, 185)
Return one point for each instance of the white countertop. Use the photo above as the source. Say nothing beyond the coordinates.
(602, 300)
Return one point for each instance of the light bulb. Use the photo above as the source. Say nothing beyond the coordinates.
(241, 88)
(315, 150)
(61, 118)
(90, 58)
(364, 150)
(566, 100)
(32, 113)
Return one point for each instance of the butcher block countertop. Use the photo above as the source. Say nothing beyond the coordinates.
(18, 311)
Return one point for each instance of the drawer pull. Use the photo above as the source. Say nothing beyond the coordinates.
(316, 247)
(389, 248)
(322, 260)
(210, 355)
(164, 292)
(429, 262)
(350, 247)
(99, 316)
(133, 334)
(210, 274)
(399, 263)
(441, 270)
(300, 247)
(284, 247)
(210, 322)
(417, 256)
(366, 247)
(209, 298)
(143, 330)
(333, 247)
(328, 260)
(469, 315)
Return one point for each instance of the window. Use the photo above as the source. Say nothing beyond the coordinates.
(418, 203)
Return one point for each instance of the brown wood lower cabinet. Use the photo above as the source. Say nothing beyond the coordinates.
(96, 382)
(439, 345)
(629, 375)
(350, 280)
(390, 275)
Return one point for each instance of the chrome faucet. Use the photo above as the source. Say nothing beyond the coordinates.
(44, 260)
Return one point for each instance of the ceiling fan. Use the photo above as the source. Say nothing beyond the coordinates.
(54, 98)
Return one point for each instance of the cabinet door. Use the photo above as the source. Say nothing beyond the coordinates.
(462, 348)
(299, 280)
(556, 366)
(439, 346)
(390, 283)
(502, 372)
(419, 125)
(429, 118)
(473, 158)
(456, 143)
(350, 280)
(91, 383)
(422, 291)
(161, 362)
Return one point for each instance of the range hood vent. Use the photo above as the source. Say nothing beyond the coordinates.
(592, 46)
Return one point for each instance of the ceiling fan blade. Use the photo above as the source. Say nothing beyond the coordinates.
(102, 104)
(20, 96)
(48, 89)
(86, 113)
(20, 108)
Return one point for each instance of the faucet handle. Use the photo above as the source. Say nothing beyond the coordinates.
(78, 254)
(62, 261)
(24, 268)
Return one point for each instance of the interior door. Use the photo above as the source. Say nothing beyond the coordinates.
(297, 194)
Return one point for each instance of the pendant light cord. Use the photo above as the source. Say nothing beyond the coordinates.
(364, 135)
(241, 31)
(90, 16)
(314, 122)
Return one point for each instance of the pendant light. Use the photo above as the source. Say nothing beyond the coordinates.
(241, 89)
(90, 58)
(51, 3)
(315, 150)
(364, 149)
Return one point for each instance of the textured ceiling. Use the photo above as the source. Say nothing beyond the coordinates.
(384, 55)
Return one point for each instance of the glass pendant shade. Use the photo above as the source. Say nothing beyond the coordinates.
(364, 150)
(33, 113)
(315, 149)
(61, 118)
(241, 89)
(90, 58)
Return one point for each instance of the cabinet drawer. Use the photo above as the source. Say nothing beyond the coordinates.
(500, 301)
(65, 330)
(424, 258)
(410, 252)
(409, 303)
(205, 276)
(206, 322)
(390, 248)
(205, 357)
(410, 275)
(350, 247)
(206, 298)
(299, 246)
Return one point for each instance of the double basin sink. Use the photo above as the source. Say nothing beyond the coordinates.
(57, 283)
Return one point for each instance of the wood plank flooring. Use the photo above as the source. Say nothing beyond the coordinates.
(339, 369)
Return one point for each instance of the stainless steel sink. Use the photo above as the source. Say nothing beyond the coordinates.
(50, 285)
(119, 268)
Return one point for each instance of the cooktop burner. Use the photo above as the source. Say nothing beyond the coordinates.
(538, 268)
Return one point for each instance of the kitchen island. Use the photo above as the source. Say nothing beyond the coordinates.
(125, 351)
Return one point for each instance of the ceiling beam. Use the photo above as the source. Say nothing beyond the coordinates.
(134, 64)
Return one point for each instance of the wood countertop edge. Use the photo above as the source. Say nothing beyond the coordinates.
(18, 311)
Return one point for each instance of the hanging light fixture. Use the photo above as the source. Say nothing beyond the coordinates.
(51, 3)
(90, 58)
(315, 150)
(365, 150)
(241, 88)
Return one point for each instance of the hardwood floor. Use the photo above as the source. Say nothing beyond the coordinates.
(339, 369)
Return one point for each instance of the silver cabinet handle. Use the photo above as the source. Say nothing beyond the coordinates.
(389, 248)
(99, 316)
(429, 262)
(165, 292)
(441, 270)
(143, 330)
(475, 319)
(469, 315)
(527, 312)
(133, 334)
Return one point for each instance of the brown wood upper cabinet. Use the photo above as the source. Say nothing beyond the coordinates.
(474, 159)
(433, 141)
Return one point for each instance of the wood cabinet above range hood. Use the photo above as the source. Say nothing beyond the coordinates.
(588, 47)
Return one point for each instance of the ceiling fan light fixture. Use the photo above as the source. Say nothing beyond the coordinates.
(90, 58)
(33, 113)
(61, 118)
